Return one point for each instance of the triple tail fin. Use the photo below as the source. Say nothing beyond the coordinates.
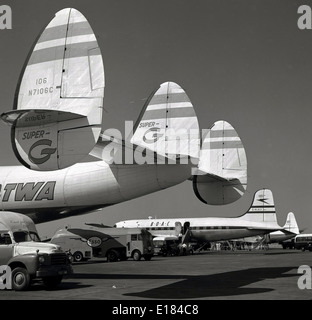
(262, 208)
(221, 177)
(57, 114)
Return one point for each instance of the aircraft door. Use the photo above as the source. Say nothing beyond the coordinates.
(186, 226)
(178, 228)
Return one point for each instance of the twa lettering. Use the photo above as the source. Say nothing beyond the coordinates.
(29, 191)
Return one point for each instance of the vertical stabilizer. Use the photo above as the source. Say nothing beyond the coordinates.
(222, 169)
(291, 224)
(168, 124)
(262, 208)
(57, 114)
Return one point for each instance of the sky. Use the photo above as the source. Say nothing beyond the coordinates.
(243, 61)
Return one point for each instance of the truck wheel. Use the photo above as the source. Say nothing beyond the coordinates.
(136, 255)
(78, 256)
(112, 256)
(52, 282)
(20, 279)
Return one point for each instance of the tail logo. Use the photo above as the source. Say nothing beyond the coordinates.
(155, 136)
(264, 200)
(47, 152)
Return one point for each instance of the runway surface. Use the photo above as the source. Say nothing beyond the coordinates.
(226, 275)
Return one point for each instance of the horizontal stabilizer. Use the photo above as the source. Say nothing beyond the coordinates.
(57, 113)
(288, 233)
(221, 177)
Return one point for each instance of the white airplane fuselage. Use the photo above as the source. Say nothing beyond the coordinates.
(204, 229)
(83, 187)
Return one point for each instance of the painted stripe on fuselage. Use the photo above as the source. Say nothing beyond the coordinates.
(198, 228)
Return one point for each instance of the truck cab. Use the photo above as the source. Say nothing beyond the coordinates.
(28, 258)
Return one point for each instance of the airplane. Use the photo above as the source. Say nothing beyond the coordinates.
(260, 219)
(56, 122)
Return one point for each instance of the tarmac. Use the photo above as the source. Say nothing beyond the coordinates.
(218, 275)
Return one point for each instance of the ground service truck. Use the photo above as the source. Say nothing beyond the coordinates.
(25, 257)
(111, 243)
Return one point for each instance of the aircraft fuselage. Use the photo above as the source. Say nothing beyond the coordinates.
(81, 187)
(203, 229)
